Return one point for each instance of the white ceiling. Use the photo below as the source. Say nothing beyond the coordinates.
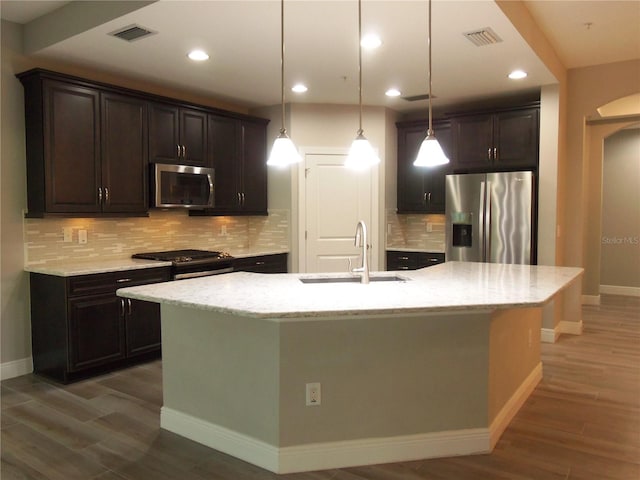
(243, 39)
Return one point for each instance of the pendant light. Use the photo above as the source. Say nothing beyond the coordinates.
(283, 152)
(430, 153)
(361, 155)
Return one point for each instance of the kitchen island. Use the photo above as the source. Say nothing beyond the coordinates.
(435, 364)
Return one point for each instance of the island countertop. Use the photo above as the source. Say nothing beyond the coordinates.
(448, 286)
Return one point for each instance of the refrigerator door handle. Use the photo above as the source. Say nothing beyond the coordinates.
(482, 223)
(488, 228)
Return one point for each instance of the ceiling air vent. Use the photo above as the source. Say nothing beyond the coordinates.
(416, 98)
(482, 37)
(132, 33)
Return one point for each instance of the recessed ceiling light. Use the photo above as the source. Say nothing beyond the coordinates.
(370, 41)
(517, 74)
(299, 88)
(393, 92)
(198, 55)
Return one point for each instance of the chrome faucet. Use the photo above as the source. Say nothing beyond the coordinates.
(361, 241)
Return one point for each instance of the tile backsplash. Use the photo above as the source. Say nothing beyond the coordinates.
(415, 232)
(118, 238)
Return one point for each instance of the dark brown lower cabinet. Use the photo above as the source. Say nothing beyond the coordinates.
(276, 263)
(399, 260)
(79, 327)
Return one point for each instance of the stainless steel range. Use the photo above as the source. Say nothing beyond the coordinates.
(192, 263)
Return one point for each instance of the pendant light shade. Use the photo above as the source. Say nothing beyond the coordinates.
(430, 153)
(361, 154)
(284, 152)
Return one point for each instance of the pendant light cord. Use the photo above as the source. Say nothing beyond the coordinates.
(360, 63)
(430, 131)
(283, 129)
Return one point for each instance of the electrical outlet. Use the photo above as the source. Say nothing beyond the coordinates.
(82, 236)
(429, 227)
(314, 396)
(67, 234)
(223, 230)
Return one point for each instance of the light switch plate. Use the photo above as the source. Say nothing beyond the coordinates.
(82, 236)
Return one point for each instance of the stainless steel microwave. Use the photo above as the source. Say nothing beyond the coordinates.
(182, 186)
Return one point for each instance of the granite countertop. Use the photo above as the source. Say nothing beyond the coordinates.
(445, 287)
(70, 268)
(409, 249)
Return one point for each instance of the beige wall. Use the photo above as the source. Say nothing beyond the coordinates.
(14, 320)
(588, 88)
(620, 239)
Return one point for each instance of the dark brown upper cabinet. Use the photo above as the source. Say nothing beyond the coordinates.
(237, 149)
(86, 148)
(504, 140)
(421, 189)
(177, 135)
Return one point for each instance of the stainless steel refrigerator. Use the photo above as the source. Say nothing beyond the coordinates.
(490, 217)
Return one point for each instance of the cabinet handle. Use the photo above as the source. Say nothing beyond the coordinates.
(184, 151)
(106, 195)
(424, 198)
(239, 199)
(433, 260)
(100, 195)
(403, 267)
(178, 146)
(403, 258)
(495, 153)
(129, 305)
(429, 198)
(489, 153)
(123, 280)
(242, 195)
(122, 307)
(259, 263)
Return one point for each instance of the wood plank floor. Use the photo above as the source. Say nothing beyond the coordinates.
(582, 422)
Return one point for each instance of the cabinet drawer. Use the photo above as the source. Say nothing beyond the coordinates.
(262, 264)
(397, 260)
(110, 282)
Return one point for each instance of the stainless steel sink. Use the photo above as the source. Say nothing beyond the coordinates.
(391, 278)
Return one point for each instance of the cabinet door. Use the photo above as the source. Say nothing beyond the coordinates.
(193, 137)
(254, 168)
(473, 137)
(411, 191)
(96, 331)
(435, 177)
(516, 138)
(72, 148)
(224, 143)
(124, 154)
(142, 325)
(163, 133)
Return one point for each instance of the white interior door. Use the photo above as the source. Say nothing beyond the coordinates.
(335, 199)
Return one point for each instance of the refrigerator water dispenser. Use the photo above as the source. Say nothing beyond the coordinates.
(461, 235)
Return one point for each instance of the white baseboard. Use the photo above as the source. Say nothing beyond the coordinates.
(351, 453)
(619, 290)
(591, 299)
(514, 404)
(572, 328)
(322, 456)
(549, 335)
(16, 368)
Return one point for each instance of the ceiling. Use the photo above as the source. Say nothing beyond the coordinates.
(242, 38)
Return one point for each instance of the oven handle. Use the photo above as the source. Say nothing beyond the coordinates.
(207, 273)
(203, 261)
